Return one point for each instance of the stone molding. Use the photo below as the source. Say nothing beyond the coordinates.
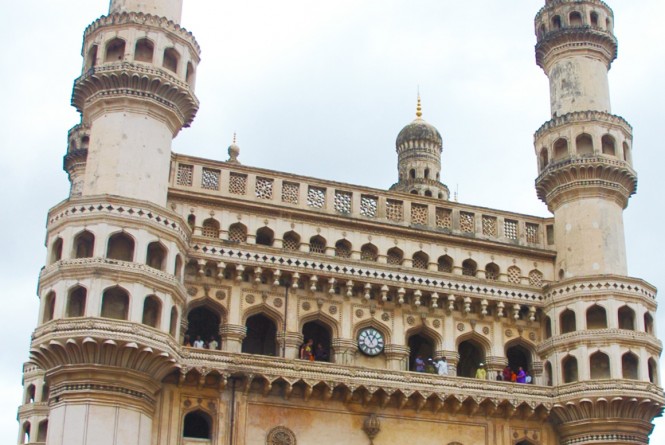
(582, 39)
(584, 117)
(599, 338)
(573, 288)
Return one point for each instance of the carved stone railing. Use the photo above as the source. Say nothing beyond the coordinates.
(600, 285)
(581, 117)
(597, 337)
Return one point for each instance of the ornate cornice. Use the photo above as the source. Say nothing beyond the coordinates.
(578, 40)
(584, 117)
(599, 338)
(600, 285)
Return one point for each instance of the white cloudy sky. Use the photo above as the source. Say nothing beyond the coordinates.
(322, 89)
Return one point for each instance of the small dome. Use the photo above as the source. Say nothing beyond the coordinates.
(419, 130)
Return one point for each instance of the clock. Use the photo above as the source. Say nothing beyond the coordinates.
(370, 342)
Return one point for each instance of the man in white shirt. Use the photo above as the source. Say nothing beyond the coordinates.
(198, 343)
(442, 366)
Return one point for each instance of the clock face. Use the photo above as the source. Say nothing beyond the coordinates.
(370, 342)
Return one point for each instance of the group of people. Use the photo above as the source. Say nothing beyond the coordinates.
(313, 353)
(201, 344)
(510, 375)
(430, 366)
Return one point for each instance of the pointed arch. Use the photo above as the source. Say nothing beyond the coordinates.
(115, 50)
(420, 260)
(599, 365)
(469, 268)
(567, 321)
(173, 322)
(156, 255)
(369, 252)
(42, 431)
(120, 246)
(630, 366)
(317, 244)
(320, 332)
(626, 318)
(472, 350)
(514, 275)
(84, 245)
(237, 233)
(291, 241)
(144, 50)
(197, 424)
(544, 158)
(584, 144)
(569, 369)
(273, 314)
(596, 317)
(171, 59)
(76, 301)
(609, 145)
(204, 319)
(445, 264)
(547, 368)
(520, 353)
(560, 149)
(152, 311)
(49, 307)
(331, 323)
(492, 271)
(265, 236)
(261, 334)
(343, 249)
(210, 228)
(395, 256)
(56, 250)
(115, 303)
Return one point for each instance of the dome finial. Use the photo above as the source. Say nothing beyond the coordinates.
(234, 151)
(419, 108)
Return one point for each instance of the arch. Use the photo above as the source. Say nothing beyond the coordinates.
(648, 323)
(519, 355)
(238, 233)
(265, 236)
(560, 149)
(412, 173)
(156, 256)
(321, 334)
(420, 260)
(584, 145)
(544, 158)
(76, 301)
(608, 24)
(594, 19)
(427, 175)
(369, 252)
(556, 22)
(567, 321)
(197, 425)
(171, 59)
(548, 327)
(115, 303)
(599, 365)
(630, 366)
(84, 245)
(428, 193)
(120, 247)
(536, 278)
(191, 74)
(56, 250)
(29, 394)
(178, 267)
(569, 368)
(492, 271)
(420, 345)
(596, 317)
(115, 50)
(542, 30)
(626, 152)
(152, 311)
(291, 241)
(280, 435)
(548, 374)
(210, 228)
(469, 268)
(575, 19)
(42, 431)
(173, 322)
(414, 192)
(445, 264)
(144, 50)
(49, 307)
(25, 432)
(91, 58)
(191, 221)
(343, 249)
(626, 318)
(653, 370)
(514, 275)
(317, 244)
(395, 256)
(471, 355)
(203, 322)
(261, 338)
(608, 145)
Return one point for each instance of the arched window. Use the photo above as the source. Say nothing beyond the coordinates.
(567, 321)
(542, 30)
(629, 366)
(445, 264)
(584, 145)
(548, 374)
(427, 174)
(548, 327)
(514, 275)
(492, 271)
(560, 149)
(265, 236)
(49, 307)
(115, 304)
(76, 302)
(173, 322)
(609, 145)
(626, 152)
(471, 355)
(428, 193)
(594, 19)
(291, 241)
(414, 192)
(115, 51)
(84, 245)
(143, 51)
(420, 260)
(178, 267)
(343, 249)
(317, 244)
(420, 345)
(238, 233)
(648, 323)
(120, 247)
(544, 158)
(25, 436)
(599, 364)
(42, 431)
(191, 74)
(152, 311)
(91, 60)
(210, 228)
(519, 357)
(536, 278)
(171, 58)
(575, 19)
(395, 256)
(203, 324)
(156, 256)
(556, 22)
(569, 366)
(596, 317)
(191, 221)
(29, 394)
(469, 268)
(412, 173)
(56, 250)
(369, 252)
(197, 425)
(653, 371)
(261, 336)
(626, 318)
(321, 335)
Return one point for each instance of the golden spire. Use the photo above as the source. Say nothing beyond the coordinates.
(234, 137)
(419, 108)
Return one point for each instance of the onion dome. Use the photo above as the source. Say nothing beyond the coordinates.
(234, 152)
(419, 130)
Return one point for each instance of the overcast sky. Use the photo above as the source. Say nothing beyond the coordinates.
(322, 89)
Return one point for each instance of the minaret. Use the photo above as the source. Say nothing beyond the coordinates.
(136, 92)
(419, 147)
(111, 291)
(598, 324)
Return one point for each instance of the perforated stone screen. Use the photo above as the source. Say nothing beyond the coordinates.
(210, 179)
(420, 261)
(185, 175)
(290, 192)
(444, 218)
(237, 233)
(394, 210)
(489, 226)
(343, 202)
(514, 275)
(237, 184)
(264, 188)
(467, 222)
(316, 197)
(510, 229)
(368, 206)
(535, 278)
(419, 214)
(532, 233)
